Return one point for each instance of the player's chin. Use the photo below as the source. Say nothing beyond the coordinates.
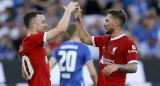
(106, 31)
(44, 30)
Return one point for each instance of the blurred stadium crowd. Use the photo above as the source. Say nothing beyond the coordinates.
(143, 24)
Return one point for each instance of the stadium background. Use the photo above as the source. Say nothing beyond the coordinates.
(143, 26)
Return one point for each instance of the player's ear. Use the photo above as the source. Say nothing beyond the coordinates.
(115, 22)
(33, 24)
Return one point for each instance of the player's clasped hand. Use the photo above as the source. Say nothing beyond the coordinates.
(71, 6)
(78, 12)
(109, 69)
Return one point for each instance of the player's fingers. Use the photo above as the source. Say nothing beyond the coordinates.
(110, 72)
(80, 11)
(77, 4)
(107, 71)
(104, 71)
(77, 7)
(70, 3)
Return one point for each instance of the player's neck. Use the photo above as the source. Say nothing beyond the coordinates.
(31, 31)
(117, 33)
(75, 38)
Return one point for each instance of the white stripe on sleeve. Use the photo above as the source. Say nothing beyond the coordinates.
(93, 41)
(132, 61)
(44, 37)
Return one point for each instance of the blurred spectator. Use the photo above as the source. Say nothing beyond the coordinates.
(7, 13)
(92, 30)
(5, 10)
(136, 9)
(154, 4)
(114, 4)
(94, 6)
(142, 30)
(144, 34)
(142, 25)
(117, 4)
(5, 4)
(96, 29)
(51, 16)
(8, 33)
(42, 4)
(149, 49)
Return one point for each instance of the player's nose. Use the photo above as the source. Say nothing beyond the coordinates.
(46, 25)
(104, 25)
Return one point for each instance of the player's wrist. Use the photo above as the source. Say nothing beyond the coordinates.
(118, 66)
(79, 19)
(68, 11)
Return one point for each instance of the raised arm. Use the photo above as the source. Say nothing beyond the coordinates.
(92, 72)
(63, 23)
(83, 34)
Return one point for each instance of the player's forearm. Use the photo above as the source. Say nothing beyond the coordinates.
(94, 79)
(60, 28)
(128, 68)
(63, 23)
(83, 34)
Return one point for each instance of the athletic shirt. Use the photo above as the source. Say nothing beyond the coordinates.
(120, 50)
(71, 57)
(34, 60)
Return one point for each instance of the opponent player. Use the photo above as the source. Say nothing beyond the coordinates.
(118, 53)
(72, 56)
(35, 67)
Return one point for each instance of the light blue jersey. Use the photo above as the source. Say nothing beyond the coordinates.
(71, 56)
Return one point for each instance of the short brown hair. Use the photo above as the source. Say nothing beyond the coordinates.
(28, 17)
(118, 14)
(71, 29)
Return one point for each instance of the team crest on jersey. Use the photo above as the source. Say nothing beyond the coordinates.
(113, 50)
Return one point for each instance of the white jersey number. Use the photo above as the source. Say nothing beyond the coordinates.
(28, 64)
(70, 59)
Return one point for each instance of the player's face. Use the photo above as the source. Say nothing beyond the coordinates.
(41, 24)
(108, 25)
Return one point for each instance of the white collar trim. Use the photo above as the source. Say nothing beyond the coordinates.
(117, 37)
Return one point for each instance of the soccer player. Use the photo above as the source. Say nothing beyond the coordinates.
(118, 53)
(35, 67)
(72, 55)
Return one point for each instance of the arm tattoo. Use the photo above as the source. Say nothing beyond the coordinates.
(128, 68)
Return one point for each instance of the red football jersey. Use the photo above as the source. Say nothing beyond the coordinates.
(34, 60)
(120, 50)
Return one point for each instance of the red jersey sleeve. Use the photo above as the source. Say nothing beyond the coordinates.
(98, 41)
(38, 39)
(132, 51)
